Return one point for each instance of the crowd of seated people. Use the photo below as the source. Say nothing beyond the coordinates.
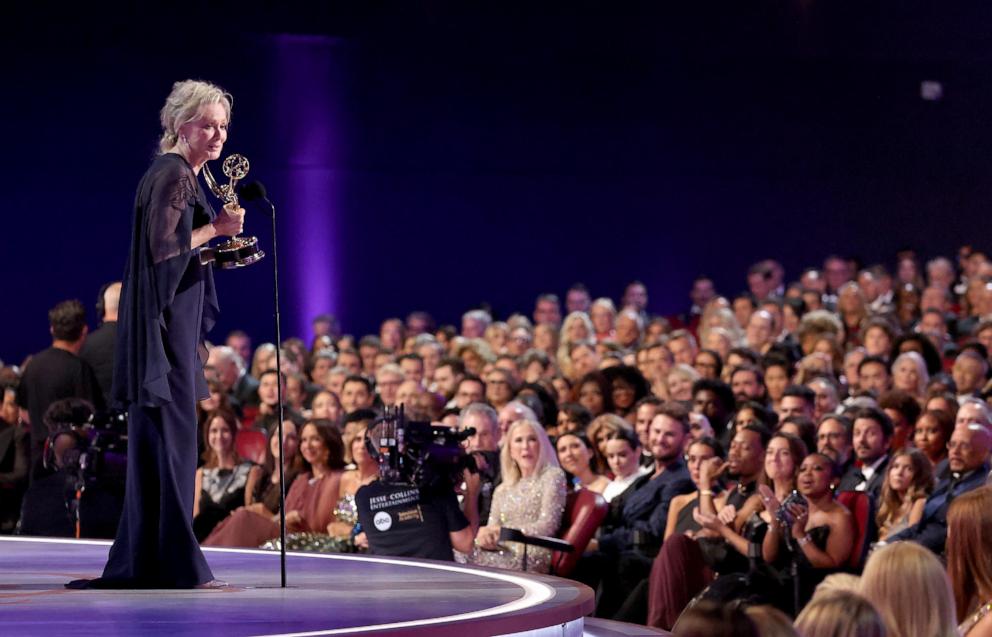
(746, 450)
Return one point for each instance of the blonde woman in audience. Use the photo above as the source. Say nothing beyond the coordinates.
(263, 359)
(496, 336)
(680, 380)
(771, 622)
(840, 614)
(531, 498)
(719, 315)
(577, 329)
(603, 315)
(838, 582)
(909, 374)
(909, 588)
(969, 560)
(908, 482)
(546, 339)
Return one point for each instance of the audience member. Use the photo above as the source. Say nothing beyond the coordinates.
(969, 560)
(577, 459)
(933, 430)
(890, 351)
(531, 499)
(311, 499)
(840, 614)
(908, 482)
(909, 588)
(967, 463)
(871, 435)
(225, 481)
(817, 536)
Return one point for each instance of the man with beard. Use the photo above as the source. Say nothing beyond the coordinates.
(833, 439)
(871, 435)
(448, 373)
(622, 556)
(748, 383)
(694, 553)
(874, 376)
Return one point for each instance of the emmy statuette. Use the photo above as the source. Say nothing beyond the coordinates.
(237, 251)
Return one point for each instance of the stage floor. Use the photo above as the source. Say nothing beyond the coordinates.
(326, 595)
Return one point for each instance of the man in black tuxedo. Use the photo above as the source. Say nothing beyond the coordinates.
(872, 433)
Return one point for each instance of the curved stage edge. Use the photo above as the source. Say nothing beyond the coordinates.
(326, 595)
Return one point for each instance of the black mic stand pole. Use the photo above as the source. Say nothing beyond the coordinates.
(282, 464)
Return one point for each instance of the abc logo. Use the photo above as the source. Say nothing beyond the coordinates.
(383, 521)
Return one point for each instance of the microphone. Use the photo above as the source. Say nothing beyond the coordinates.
(253, 191)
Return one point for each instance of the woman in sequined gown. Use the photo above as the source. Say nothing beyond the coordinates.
(531, 498)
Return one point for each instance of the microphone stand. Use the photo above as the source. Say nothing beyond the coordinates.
(282, 455)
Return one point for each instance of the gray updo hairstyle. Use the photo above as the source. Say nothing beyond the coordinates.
(182, 106)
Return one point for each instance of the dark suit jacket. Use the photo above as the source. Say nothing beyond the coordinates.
(931, 530)
(645, 510)
(98, 351)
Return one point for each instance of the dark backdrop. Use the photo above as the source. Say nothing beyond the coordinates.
(427, 156)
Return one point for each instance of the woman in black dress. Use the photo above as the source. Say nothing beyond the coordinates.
(168, 304)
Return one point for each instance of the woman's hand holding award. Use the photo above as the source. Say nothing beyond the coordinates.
(236, 252)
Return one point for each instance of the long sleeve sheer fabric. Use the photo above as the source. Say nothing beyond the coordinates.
(168, 206)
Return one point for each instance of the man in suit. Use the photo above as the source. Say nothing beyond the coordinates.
(623, 555)
(229, 369)
(872, 433)
(967, 461)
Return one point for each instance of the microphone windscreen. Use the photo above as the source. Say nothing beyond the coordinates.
(253, 191)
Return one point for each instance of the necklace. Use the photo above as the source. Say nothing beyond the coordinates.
(975, 617)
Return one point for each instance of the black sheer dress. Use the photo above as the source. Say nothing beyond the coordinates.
(168, 304)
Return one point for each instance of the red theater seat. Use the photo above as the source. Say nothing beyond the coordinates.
(584, 512)
(863, 510)
(250, 445)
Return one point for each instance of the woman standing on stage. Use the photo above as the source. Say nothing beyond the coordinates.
(168, 304)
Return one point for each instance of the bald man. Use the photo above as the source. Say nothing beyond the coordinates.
(98, 350)
(967, 461)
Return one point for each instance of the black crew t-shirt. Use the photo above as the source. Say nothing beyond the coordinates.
(407, 521)
(52, 375)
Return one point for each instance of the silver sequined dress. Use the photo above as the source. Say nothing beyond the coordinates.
(533, 505)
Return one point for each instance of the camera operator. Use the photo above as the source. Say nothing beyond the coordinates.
(46, 510)
(413, 513)
(413, 521)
